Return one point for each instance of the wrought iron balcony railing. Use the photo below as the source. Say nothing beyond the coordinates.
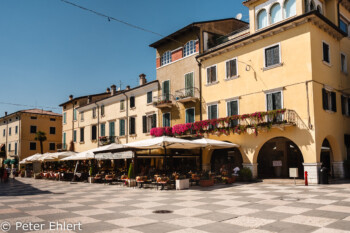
(187, 95)
(106, 140)
(163, 101)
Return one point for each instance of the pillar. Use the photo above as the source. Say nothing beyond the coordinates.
(253, 167)
(338, 169)
(313, 172)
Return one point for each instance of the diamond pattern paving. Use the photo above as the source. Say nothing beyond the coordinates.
(248, 208)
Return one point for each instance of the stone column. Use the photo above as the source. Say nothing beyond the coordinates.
(253, 167)
(313, 172)
(206, 166)
(338, 169)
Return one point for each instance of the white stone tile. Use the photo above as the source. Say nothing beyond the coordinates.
(347, 218)
(188, 198)
(257, 231)
(121, 230)
(81, 200)
(301, 195)
(66, 205)
(45, 212)
(27, 219)
(336, 208)
(146, 205)
(225, 197)
(250, 222)
(231, 203)
(9, 211)
(83, 220)
(263, 196)
(310, 220)
(189, 203)
(274, 202)
(338, 195)
(188, 230)
(138, 212)
(289, 209)
(153, 199)
(191, 212)
(93, 212)
(318, 201)
(329, 230)
(25, 205)
(107, 205)
(131, 221)
(119, 200)
(238, 211)
(189, 222)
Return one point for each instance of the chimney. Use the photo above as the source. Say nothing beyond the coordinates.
(5, 113)
(89, 98)
(143, 79)
(70, 97)
(108, 90)
(127, 87)
(113, 89)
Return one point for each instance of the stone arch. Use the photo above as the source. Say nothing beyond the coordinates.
(277, 155)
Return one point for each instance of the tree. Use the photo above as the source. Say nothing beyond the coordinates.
(41, 137)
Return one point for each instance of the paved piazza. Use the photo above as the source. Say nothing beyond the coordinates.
(249, 208)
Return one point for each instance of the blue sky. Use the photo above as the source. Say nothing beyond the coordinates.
(49, 49)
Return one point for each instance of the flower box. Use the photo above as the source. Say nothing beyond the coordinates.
(182, 184)
(206, 183)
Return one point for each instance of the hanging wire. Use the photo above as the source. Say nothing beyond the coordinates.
(109, 18)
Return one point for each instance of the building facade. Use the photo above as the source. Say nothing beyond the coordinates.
(18, 131)
(119, 117)
(280, 89)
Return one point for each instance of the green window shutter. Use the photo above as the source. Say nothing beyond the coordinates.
(324, 99)
(74, 136)
(122, 127)
(144, 124)
(189, 84)
(65, 118)
(111, 129)
(149, 97)
(154, 121)
(166, 120)
(64, 140)
(190, 115)
(103, 130)
(166, 89)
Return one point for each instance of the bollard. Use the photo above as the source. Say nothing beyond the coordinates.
(305, 177)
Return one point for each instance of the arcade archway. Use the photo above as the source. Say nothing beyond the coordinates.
(326, 157)
(276, 156)
(226, 159)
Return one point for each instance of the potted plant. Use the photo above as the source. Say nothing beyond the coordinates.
(245, 174)
(205, 180)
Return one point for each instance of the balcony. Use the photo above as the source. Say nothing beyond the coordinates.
(187, 95)
(238, 124)
(163, 101)
(106, 140)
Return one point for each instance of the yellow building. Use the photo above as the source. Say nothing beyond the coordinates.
(120, 117)
(18, 131)
(293, 56)
(178, 71)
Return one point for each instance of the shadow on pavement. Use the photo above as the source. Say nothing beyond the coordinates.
(15, 187)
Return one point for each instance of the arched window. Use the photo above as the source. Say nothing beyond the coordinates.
(166, 58)
(189, 48)
(289, 8)
(262, 19)
(276, 13)
(312, 6)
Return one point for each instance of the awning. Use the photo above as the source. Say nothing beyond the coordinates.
(118, 155)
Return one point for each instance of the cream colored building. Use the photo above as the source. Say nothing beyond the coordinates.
(293, 56)
(18, 131)
(121, 117)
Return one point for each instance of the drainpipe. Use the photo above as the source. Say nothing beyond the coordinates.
(308, 104)
(19, 139)
(72, 123)
(6, 134)
(98, 124)
(127, 118)
(200, 76)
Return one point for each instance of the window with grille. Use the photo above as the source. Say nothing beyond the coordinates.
(166, 58)
(329, 100)
(326, 57)
(189, 48)
(213, 111)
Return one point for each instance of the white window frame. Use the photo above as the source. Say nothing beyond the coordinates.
(269, 15)
(163, 118)
(272, 92)
(346, 63)
(211, 104)
(216, 74)
(230, 100)
(233, 77)
(329, 53)
(195, 42)
(94, 112)
(151, 97)
(280, 56)
(257, 19)
(170, 58)
(194, 114)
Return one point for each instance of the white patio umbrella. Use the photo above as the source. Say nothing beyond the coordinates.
(117, 155)
(31, 158)
(215, 144)
(57, 155)
(89, 154)
(164, 142)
